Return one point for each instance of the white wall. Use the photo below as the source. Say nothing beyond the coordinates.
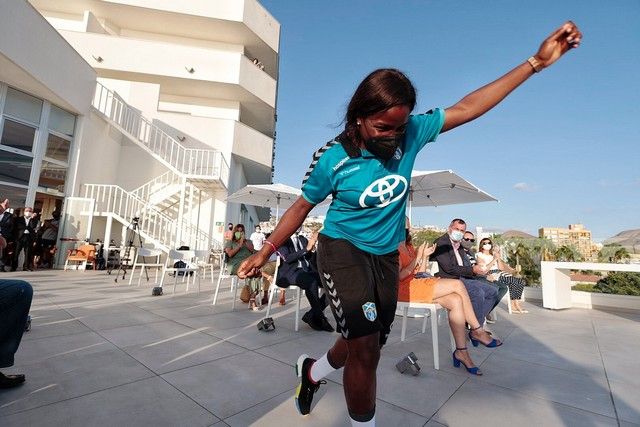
(48, 66)
(99, 153)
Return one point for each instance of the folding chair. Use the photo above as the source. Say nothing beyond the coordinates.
(234, 285)
(141, 261)
(273, 289)
(432, 313)
(190, 267)
(203, 261)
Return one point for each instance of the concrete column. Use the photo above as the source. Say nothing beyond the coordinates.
(179, 230)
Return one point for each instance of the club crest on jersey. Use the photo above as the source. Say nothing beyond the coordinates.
(369, 310)
(384, 191)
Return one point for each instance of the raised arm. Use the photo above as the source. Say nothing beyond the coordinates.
(290, 222)
(482, 100)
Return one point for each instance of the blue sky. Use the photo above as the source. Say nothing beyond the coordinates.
(561, 149)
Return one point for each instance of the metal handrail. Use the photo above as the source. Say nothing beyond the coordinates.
(193, 162)
(157, 225)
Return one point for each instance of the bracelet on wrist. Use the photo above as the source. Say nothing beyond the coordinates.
(535, 64)
(272, 246)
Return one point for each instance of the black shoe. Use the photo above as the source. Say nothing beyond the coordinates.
(325, 325)
(306, 389)
(9, 381)
(309, 320)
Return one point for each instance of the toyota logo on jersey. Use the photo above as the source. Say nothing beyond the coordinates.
(384, 191)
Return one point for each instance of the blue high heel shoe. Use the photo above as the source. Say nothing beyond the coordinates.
(456, 363)
(494, 342)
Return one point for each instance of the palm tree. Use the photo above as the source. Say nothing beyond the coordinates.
(567, 253)
(621, 254)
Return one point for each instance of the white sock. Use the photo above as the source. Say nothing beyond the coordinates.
(370, 423)
(320, 369)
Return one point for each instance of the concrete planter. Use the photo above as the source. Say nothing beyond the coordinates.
(581, 299)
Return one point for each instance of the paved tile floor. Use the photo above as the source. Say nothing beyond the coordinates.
(104, 354)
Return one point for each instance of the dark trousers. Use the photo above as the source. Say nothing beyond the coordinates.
(15, 301)
(482, 295)
(24, 243)
(309, 281)
(502, 289)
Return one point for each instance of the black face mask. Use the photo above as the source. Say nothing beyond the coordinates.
(385, 147)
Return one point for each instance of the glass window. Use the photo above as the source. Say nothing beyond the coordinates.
(15, 168)
(17, 196)
(17, 135)
(61, 121)
(57, 148)
(52, 176)
(23, 106)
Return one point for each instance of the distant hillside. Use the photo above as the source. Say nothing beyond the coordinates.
(510, 234)
(629, 239)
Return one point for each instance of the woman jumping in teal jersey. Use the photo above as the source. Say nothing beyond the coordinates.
(367, 170)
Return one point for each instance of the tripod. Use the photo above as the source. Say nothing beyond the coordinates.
(132, 233)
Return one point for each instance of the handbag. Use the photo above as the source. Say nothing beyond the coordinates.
(245, 294)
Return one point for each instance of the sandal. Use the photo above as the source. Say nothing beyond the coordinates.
(494, 342)
(456, 363)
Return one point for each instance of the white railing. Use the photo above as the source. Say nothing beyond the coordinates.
(193, 162)
(145, 191)
(160, 227)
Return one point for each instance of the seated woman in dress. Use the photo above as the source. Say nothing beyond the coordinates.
(238, 249)
(499, 271)
(451, 294)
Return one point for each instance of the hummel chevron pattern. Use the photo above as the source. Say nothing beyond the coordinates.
(337, 305)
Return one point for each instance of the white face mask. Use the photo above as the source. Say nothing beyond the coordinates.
(486, 247)
(456, 235)
(27, 214)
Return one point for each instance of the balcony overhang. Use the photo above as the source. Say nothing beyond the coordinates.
(36, 59)
(244, 23)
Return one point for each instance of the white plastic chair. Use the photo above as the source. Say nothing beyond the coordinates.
(273, 290)
(141, 261)
(432, 314)
(234, 285)
(190, 267)
(203, 261)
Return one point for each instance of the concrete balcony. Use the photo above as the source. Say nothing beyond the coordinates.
(241, 22)
(180, 70)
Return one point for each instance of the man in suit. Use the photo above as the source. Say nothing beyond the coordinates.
(6, 229)
(453, 263)
(296, 268)
(25, 228)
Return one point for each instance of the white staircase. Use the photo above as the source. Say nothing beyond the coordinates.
(163, 192)
(196, 164)
(154, 226)
(160, 203)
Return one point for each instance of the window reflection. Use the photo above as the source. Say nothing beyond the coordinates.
(52, 176)
(15, 168)
(61, 121)
(57, 148)
(17, 196)
(18, 135)
(23, 106)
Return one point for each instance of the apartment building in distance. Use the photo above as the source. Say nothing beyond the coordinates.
(115, 109)
(576, 235)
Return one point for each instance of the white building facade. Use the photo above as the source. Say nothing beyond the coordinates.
(137, 108)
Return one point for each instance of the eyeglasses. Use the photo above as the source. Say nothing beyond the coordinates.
(469, 240)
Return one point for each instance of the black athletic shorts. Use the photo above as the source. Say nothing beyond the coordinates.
(362, 287)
